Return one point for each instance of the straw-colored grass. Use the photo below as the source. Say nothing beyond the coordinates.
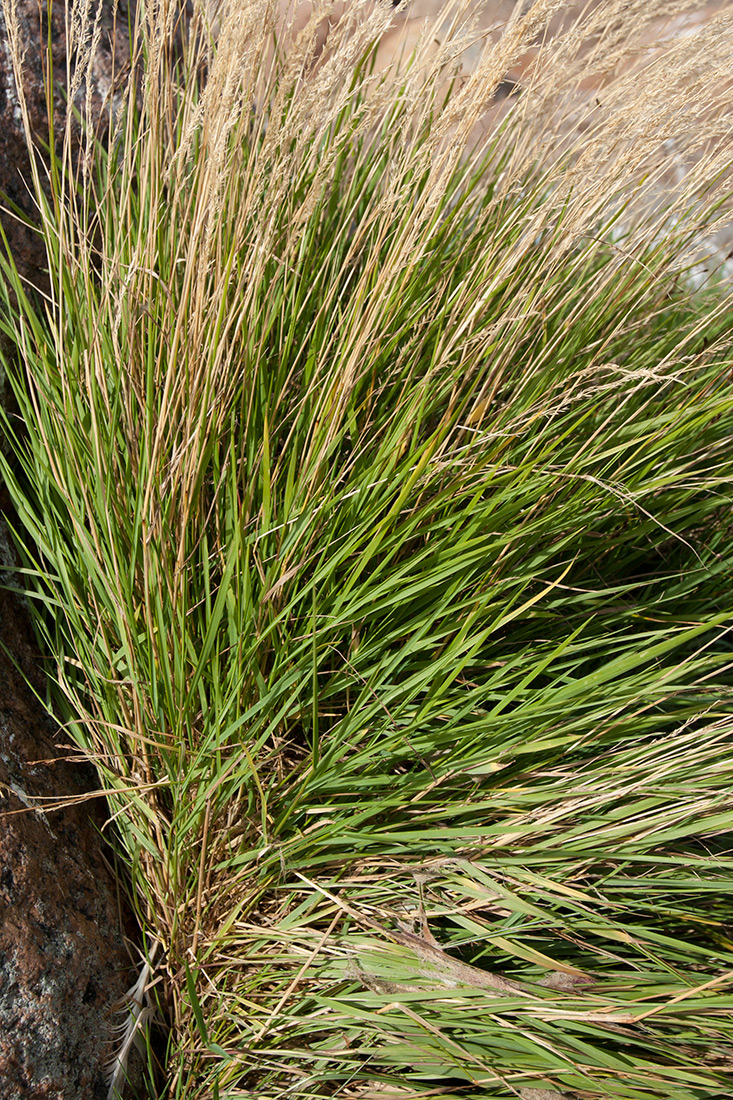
(373, 479)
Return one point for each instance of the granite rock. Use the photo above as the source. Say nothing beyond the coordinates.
(64, 965)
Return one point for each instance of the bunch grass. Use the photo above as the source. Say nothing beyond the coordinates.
(373, 482)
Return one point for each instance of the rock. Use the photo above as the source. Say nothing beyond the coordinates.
(36, 28)
(64, 967)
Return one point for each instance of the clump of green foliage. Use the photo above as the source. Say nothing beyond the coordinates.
(373, 476)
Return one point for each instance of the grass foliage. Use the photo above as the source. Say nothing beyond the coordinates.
(373, 479)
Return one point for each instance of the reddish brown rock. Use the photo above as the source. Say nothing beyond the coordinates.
(64, 967)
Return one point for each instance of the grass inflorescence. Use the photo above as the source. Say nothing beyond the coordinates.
(373, 481)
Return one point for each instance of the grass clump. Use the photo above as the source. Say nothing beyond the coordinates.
(373, 484)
